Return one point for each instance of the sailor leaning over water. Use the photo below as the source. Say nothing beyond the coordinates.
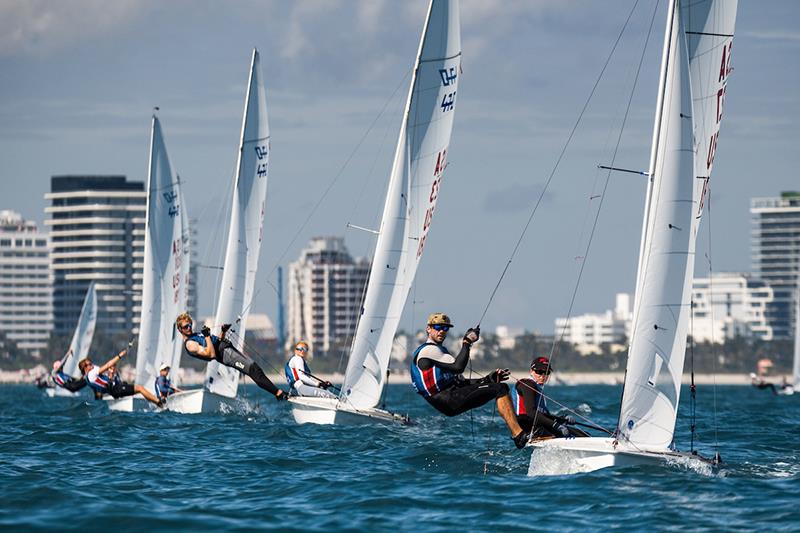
(437, 377)
(208, 347)
(298, 375)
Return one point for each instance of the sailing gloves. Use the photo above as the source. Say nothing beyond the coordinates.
(568, 420)
(283, 395)
(472, 335)
(499, 375)
(225, 328)
(206, 331)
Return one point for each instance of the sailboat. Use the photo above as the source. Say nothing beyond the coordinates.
(413, 190)
(794, 385)
(164, 280)
(694, 73)
(81, 341)
(243, 248)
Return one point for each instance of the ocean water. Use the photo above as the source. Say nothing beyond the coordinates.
(68, 464)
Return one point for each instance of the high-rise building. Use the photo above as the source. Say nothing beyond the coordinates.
(326, 287)
(776, 255)
(728, 305)
(26, 289)
(97, 234)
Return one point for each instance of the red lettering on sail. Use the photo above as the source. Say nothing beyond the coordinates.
(712, 149)
(438, 169)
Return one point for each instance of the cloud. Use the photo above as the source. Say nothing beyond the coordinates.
(786, 36)
(515, 198)
(40, 26)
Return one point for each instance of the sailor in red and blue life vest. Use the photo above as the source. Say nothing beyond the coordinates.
(104, 380)
(163, 385)
(208, 347)
(298, 375)
(530, 405)
(65, 381)
(437, 377)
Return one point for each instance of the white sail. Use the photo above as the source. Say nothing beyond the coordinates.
(163, 284)
(186, 244)
(414, 185)
(83, 335)
(246, 226)
(658, 340)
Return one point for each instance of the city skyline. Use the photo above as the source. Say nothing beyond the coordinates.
(79, 101)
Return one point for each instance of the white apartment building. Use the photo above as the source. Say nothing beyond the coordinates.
(97, 234)
(589, 331)
(325, 290)
(730, 304)
(776, 255)
(26, 288)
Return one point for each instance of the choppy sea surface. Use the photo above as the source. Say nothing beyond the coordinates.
(68, 464)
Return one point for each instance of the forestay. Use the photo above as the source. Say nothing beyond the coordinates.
(164, 283)
(414, 187)
(679, 171)
(83, 335)
(246, 226)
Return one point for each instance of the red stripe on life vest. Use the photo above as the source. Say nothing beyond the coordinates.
(521, 405)
(296, 376)
(430, 381)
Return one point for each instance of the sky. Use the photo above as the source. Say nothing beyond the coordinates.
(79, 79)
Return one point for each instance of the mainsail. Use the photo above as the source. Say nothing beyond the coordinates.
(164, 280)
(414, 186)
(83, 335)
(246, 226)
(698, 35)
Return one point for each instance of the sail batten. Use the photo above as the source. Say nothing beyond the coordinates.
(246, 226)
(412, 193)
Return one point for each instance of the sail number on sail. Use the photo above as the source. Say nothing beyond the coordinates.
(722, 82)
(261, 168)
(437, 173)
(177, 256)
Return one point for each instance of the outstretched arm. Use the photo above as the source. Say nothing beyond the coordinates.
(113, 361)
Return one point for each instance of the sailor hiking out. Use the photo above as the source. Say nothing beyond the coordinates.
(437, 377)
(104, 380)
(65, 381)
(301, 381)
(530, 405)
(208, 347)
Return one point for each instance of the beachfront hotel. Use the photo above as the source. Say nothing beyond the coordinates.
(26, 291)
(776, 255)
(97, 234)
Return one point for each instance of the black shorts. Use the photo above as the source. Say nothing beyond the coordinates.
(121, 390)
(463, 397)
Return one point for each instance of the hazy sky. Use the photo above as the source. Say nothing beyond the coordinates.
(78, 80)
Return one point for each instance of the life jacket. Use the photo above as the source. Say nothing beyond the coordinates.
(519, 403)
(61, 378)
(292, 375)
(199, 339)
(431, 381)
(163, 387)
(529, 387)
(100, 384)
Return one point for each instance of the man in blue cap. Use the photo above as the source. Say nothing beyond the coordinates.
(437, 377)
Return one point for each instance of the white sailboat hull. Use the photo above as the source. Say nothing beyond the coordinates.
(557, 457)
(53, 392)
(193, 402)
(326, 411)
(129, 404)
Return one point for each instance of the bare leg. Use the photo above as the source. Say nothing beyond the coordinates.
(506, 409)
(149, 396)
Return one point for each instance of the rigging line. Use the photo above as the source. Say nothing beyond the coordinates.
(711, 293)
(559, 339)
(692, 387)
(558, 162)
(328, 189)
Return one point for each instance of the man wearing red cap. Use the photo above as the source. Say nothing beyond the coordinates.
(530, 405)
(437, 377)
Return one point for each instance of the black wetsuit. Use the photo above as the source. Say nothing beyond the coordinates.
(228, 355)
(533, 415)
(450, 392)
